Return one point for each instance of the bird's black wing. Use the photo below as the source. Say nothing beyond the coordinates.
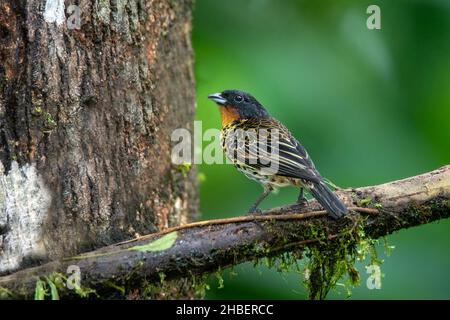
(267, 145)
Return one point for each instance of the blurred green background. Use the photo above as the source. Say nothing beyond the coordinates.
(370, 106)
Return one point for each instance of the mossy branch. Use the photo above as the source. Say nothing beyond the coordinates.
(205, 247)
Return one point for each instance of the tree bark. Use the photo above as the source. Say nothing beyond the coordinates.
(86, 116)
(207, 246)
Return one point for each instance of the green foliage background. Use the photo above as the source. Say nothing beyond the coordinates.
(370, 106)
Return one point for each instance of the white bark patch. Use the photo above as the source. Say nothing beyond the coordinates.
(24, 204)
(54, 11)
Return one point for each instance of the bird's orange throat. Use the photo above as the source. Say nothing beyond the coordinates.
(228, 115)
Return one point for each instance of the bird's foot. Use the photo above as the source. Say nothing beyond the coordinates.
(301, 202)
(254, 211)
(298, 206)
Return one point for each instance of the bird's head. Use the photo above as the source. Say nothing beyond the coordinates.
(236, 105)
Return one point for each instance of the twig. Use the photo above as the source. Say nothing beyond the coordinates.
(248, 218)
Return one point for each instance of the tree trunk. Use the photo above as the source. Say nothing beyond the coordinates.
(86, 115)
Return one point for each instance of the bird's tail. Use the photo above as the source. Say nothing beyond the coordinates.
(335, 207)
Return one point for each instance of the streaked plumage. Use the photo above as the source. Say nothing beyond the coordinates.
(264, 150)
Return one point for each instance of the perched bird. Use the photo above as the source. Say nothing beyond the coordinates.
(264, 150)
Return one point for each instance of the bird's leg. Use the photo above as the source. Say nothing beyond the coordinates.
(301, 200)
(254, 208)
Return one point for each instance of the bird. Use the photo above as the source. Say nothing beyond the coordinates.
(264, 150)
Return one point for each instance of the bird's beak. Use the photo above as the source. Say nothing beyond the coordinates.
(217, 97)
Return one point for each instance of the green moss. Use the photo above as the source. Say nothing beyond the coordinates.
(200, 285)
(332, 260)
(176, 289)
(134, 285)
(220, 280)
(365, 202)
(36, 111)
(120, 289)
(329, 262)
(49, 121)
(48, 288)
(162, 277)
(54, 294)
(423, 213)
(387, 248)
(285, 262)
(40, 290)
(446, 204)
(168, 289)
(5, 294)
(54, 285)
(184, 168)
(150, 290)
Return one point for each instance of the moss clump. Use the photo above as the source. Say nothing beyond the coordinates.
(50, 287)
(200, 285)
(194, 287)
(286, 262)
(36, 111)
(329, 259)
(184, 168)
(365, 202)
(55, 285)
(446, 204)
(5, 294)
(49, 121)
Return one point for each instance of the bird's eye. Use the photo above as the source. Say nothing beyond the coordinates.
(238, 98)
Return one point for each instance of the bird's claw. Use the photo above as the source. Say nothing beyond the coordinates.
(301, 204)
(301, 200)
(254, 211)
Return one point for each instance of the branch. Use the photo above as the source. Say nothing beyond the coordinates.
(207, 246)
